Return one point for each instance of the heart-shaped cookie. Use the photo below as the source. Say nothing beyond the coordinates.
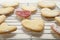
(46, 4)
(46, 12)
(23, 14)
(33, 25)
(2, 18)
(4, 28)
(11, 3)
(57, 19)
(31, 8)
(6, 10)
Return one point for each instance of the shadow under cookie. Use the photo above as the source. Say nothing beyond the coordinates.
(48, 18)
(32, 33)
(8, 35)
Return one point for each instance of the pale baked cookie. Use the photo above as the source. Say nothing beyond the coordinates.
(10, 4)
(6, 10)
(31, 8)
(46, 12)
(57, 19)
(2, 18)
(23, 14)
(36, 25)
(46, 4)
(4, 28)
(55, 30)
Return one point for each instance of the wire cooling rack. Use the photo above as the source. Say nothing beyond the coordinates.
(23, 34)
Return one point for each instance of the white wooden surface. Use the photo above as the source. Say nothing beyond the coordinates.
(22, 34)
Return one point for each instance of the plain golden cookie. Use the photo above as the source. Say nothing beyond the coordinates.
(36, 25)
(10, 4)
(6, 10)
(57, 19)
(46, 4)
(46, 12)
(2, 18)
(4, 28)
(31, 8)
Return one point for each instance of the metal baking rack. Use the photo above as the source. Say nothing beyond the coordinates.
(23, 34)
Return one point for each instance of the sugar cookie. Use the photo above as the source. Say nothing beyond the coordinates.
(23, 14)
(4, 28)
(10, 4)
(36, 25)
(57, 19)
(2, 18)
(7, 10)
(46, 12)
(31, 8)
(46, 4)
